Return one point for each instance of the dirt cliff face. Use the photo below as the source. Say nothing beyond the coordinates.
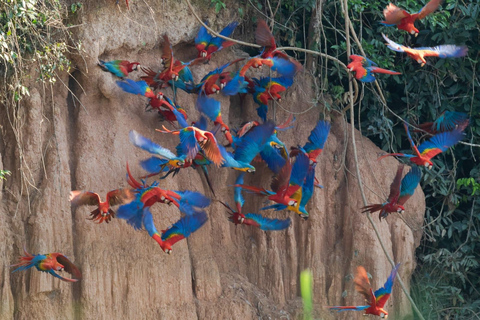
(75, 137)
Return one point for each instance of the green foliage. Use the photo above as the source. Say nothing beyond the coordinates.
(4, 173)
(219, 5)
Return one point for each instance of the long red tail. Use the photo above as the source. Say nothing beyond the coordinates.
(380, 70)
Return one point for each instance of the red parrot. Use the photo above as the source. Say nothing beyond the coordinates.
(255, 62)
(419, 54)
(404, 20)
(376, 300)
(207, 45)
(365, 68)
(400, 191)
(103, 212)
(120, 68)
(429, 149)
(49, 263)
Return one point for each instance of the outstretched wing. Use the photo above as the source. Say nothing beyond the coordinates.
(395, 186)
(202, 39)
(81, 198)
(146, 144)
(440, 143)
(444, 51)
(349, 308)
(393, 45)
(252, 142)
(120, 196)
(184, 227)
(263, 35)
(267, 224)
(384, 293)
(69, 267)
(364, 61)
(136, 87)
(362, 284)
(317, 139)
(409, 184)
(431, 6)
(450, 120)
(393, 15)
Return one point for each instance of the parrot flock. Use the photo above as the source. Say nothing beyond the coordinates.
(209, 142)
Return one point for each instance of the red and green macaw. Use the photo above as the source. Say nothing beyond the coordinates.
(429, 149)
(136, 87)
(365, 68)
(192, 139)
(103, 212)
(448, 121)
(406, 21)
(207, 45)
(400, 191)
(119, 68)
(49, 263)
(419, 54)
(165, 107)
(376, 300)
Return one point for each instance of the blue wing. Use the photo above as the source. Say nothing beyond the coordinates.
(194, 198)
(409, 184)
(349, 308)
(154, 165)
(208, 106)
(442, 141)
(318, 136)
(269, 224)
(202, 123)
(133, 87)
(308, 187)
(262, 111)
(132, 212)
(449, 120)
(146, 144)
(299, 170)
(148, 222)
(272, 157)
(382, 294)
(186, 225)
(188, 143)
(238, 197)
(284, 67)
(227, 31)
(276, 207)
(236, 85)
(203, 35)
(253, 142)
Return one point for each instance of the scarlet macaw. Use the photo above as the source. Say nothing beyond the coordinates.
(49, 263)
(429, 149)
(406, 21)
(267, 89)
(212, 109)
(365, 68)
(103, 212)
(136, 87)
(448, 121)
(400, 191)
(419, 54)
(207, 45)
(316, 141)
(165, 107)
(257, 220)
(119, 68)
(376, 300)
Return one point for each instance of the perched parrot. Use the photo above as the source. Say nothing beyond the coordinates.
(120, 68)
(207, 45)
(419, 54)
(136, 87)
(376, 300)
(448, 121)
(365, 68)
(400, 191)
(103, 212)
(429, 149)
(49, 263)
(264, 37)
(406, 21)
(192, 139)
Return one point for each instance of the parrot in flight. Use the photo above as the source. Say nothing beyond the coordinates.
(419, 54)
(365, 68)
(119, 68)
(103, 212)
(376, 300)
(212, 109)
(429, 149)
(136, 87)
(406, 21)
(267, 89)
(49, 263)
(207, 45)
(448, 121)
(400, 191)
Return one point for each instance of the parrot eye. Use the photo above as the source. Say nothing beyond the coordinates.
(224, 129)
(382, 315)
(162, 198)
(279, 100)
(426, 164)
(242, 219)
(167, 201)
(402, 212)
(311, 161)
(222, 85)
(249, 170)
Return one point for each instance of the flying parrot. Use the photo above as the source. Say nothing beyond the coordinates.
(376, 300)
(365, 68)
(448, 121)
(400, 191)
(119, 68)
(136, 87)
(103, 212)
(182, 229)
(212, 109)
(429, 149)
(419, 54)
(267, 89)
(406, 21)
(257, 220)
(49, 263)
(207, 45)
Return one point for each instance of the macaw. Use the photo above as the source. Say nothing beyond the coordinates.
(103, 212)
(281, 190)
(448, 121)
(207, 45)
(365, 68)
(119, 68)
(267, 89)
(316, 141)
(400, 191)
(136, 87)
(406, 21)
(419, 54)
(49, 263)
(193, 138)
(212, 109)
(165, 107)
(182, 229)
(264, 37)
(376, 300)
(429, 149)
(306, 191)
(208, 84)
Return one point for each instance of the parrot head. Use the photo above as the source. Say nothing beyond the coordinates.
(166, 247)
(414, 31)
(202, 54)
(236, 217)
(134, 66)
(103, 207)
(382, 313)
(428, 164)
(176, 163)
(247, 168)
(401, 209)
